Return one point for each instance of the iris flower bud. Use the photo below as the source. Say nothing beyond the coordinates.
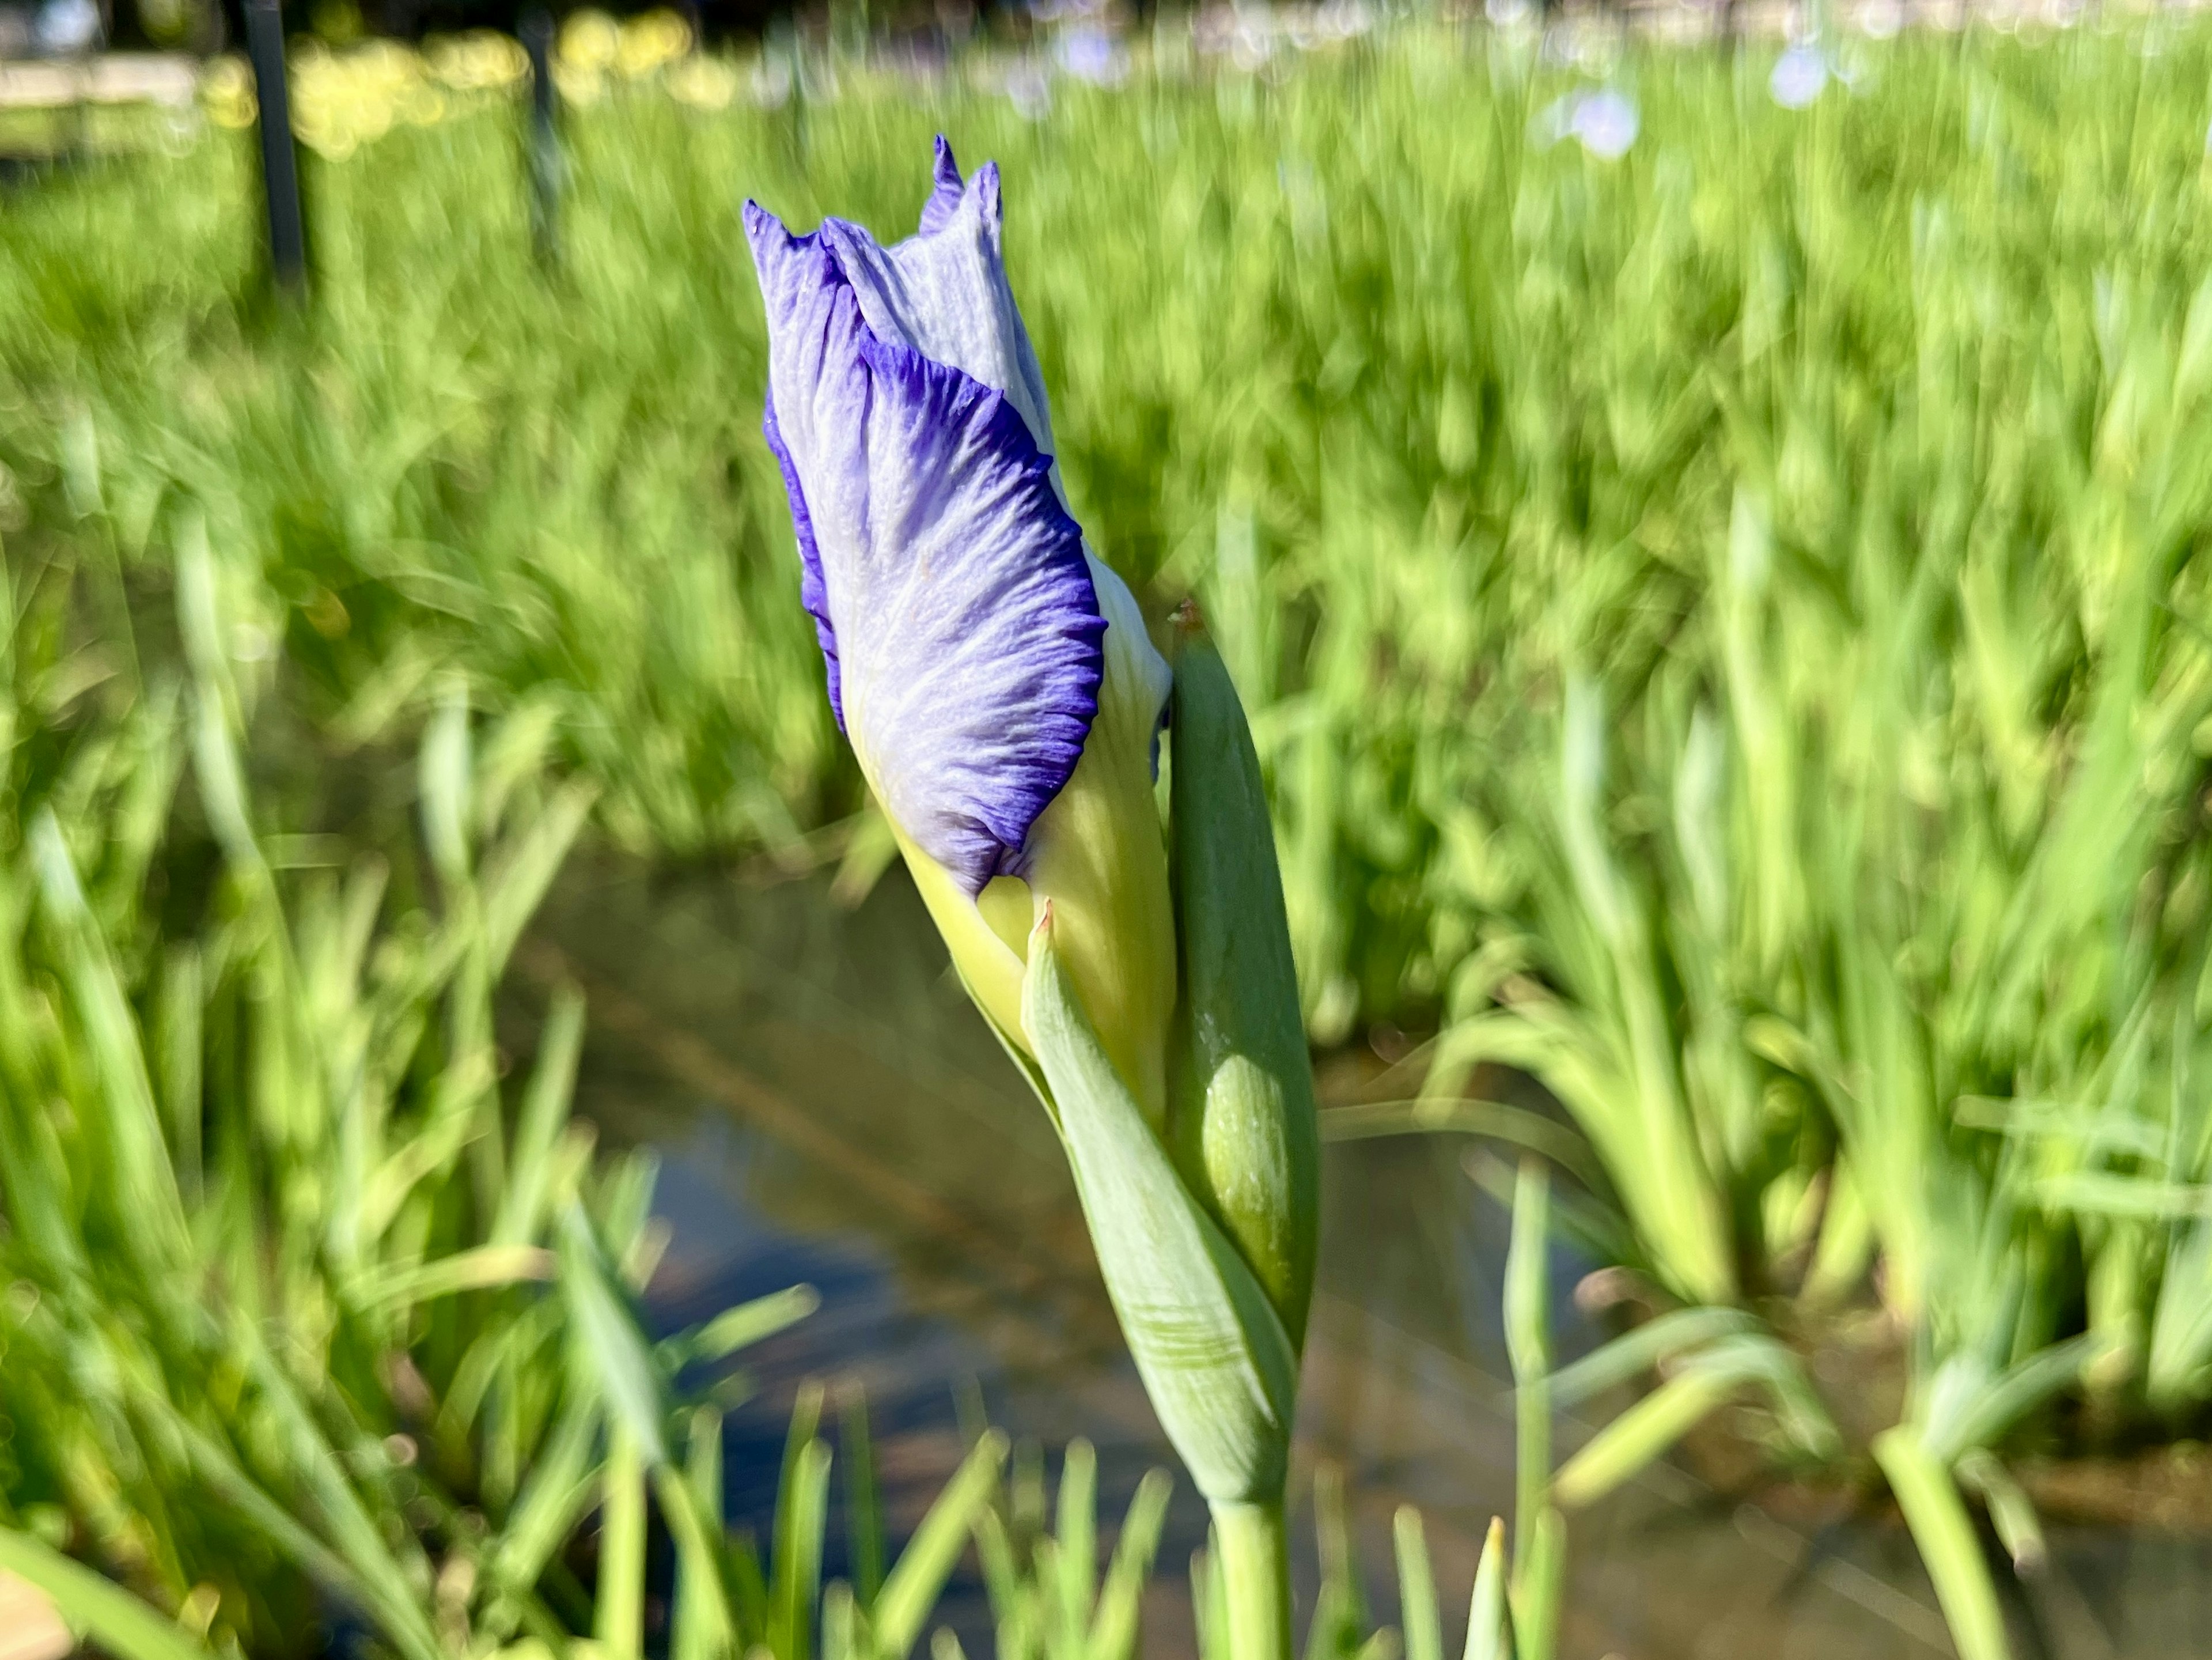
(995, 680)
(1005, 702)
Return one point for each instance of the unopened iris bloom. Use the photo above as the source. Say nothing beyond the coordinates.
(994, 677)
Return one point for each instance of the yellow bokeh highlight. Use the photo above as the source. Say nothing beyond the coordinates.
(344, 98)
(651, 41)
(703, 82)
(590, 40)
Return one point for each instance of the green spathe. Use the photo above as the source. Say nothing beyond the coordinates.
(1221, 1373)
(1241, 1103)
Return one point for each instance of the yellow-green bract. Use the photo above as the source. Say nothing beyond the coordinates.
(1221, 1372)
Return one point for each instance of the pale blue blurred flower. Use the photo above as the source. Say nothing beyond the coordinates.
(1088, 53)
(1605, 122)
(66, 28)
(1801, 75)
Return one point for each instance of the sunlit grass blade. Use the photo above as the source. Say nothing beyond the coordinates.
(1539, 1586)
(704, 1626)
(864, 1518)
(619, 1619)
(1076, 1538)
(915, 1582)
(1489, 1617)
(117, 1622)
(1945, 1535)
(1639, 1435)
(802, 1521)
(608, 1342)
(1528, 1335)
(538, 1127)
(1115, 1628)
(1417, 1613)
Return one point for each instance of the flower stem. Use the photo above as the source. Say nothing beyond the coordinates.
(1256, 1571)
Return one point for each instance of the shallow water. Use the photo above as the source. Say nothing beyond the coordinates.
(830, 1110)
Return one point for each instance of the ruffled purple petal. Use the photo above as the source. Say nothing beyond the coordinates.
(959, 618)
(813, 591)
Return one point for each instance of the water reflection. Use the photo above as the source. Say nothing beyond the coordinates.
(830, 1110)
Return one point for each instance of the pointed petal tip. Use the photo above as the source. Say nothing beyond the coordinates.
(766, 235)
(945, 190)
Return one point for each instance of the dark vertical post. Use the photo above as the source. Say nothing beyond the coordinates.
(280, 171)
(544, 142)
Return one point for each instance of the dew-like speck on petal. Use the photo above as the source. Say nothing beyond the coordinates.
(1345, 19)
(1607, 123)
(1028, 89)
(1800, 76)
(1882, 21)
(1251, 45)
(1090, 53)
(1553, 122)
(771, 83)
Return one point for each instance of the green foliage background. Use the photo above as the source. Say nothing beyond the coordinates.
(1725, 629)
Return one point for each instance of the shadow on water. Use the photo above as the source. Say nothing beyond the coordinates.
(830, 1110)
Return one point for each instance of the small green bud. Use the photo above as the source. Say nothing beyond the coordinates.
(1241, 1118)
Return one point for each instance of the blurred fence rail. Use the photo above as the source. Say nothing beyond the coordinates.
(111, 78)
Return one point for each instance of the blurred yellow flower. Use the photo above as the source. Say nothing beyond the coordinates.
(704, 82)
(342, 100)
(590, 40)
(650, 41)
(478, 61)
(226, 90)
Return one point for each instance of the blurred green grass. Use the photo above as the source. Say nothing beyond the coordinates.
(1421, 408)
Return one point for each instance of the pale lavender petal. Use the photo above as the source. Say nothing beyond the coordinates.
(961, 619)
(944, 293)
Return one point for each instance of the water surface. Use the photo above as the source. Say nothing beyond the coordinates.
(830, 1110)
